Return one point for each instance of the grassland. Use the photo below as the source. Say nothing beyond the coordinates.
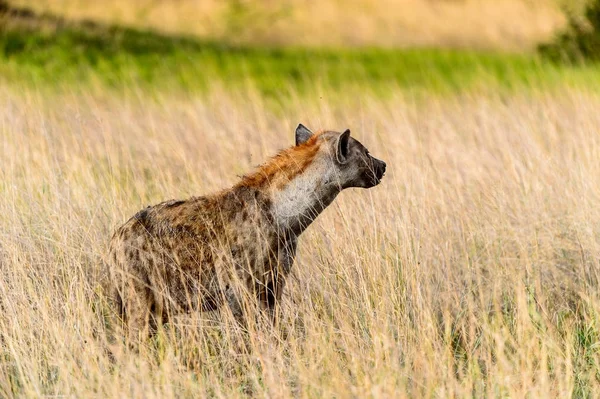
(51, 52)
(471, 271)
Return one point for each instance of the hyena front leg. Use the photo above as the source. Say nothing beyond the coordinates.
(273, 289)
(270, 296)
(234, 300)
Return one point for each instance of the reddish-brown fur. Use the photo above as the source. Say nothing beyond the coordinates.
(284, 166)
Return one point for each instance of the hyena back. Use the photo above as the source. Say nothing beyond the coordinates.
(198, 254)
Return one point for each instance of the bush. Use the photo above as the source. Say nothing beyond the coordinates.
(581, 40)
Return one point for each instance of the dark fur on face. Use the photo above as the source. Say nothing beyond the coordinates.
(369, 170)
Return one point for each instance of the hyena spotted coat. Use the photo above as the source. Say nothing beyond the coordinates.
(201, 253)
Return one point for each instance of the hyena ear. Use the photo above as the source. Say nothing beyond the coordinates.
(343, 146)
(302, 134)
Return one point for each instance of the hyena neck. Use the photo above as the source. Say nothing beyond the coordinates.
(297, 204)
(299, 184)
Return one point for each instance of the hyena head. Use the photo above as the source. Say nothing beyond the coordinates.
(349, 162)
(303, 180)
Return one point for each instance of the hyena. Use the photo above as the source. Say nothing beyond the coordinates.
(204, 252)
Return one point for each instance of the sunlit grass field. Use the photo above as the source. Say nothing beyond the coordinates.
(472, 270)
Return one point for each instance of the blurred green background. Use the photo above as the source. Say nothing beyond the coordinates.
(294, 46)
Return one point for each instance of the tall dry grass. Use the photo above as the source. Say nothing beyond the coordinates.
(472, 270)
(498, 24)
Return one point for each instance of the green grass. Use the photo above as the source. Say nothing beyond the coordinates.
(49, 51)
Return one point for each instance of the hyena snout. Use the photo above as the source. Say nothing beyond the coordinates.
(377, 171)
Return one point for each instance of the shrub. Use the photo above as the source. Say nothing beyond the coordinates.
(580, 41)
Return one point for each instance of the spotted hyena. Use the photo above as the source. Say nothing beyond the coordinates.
(201, 253)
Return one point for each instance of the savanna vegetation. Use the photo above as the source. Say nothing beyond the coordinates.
(472, 270)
